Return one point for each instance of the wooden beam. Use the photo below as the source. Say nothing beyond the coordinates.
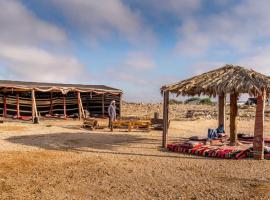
(5, 106)
(233, 119)
(103, 105)
(165, 119)
(222, 110)
(34, 107)
(51, 104)
(258, 142)
(65, 105)
(18, 105)
(79, 105)
(120, 105)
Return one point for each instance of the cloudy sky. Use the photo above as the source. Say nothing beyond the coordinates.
(134, 45)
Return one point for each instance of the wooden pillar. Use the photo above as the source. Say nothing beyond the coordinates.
(233, 119)
(34, 108)
(51, 104)
(103, 105)
(221, 110)
(79, 105)
(5, 106)
(65, 105)
(165, 118)
(120, 105)
(258, 142)
(18, 105)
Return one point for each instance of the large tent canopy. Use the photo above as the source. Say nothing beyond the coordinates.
(228, 79)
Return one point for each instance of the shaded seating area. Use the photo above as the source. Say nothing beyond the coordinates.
(32, 100)
(229, 81)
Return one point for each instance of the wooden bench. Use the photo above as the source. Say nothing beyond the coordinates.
(132, 124)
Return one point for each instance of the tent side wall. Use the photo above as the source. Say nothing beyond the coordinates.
(53, 103)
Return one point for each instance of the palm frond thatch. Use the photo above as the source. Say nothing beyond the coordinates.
(228, 79)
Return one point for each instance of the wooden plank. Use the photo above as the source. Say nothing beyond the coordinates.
(258, 142)
(79, 105)
(165, 118)
(51, 104)
(18, 105)
(222, 110)
(120, 105)
(5, 106)
(233, 119)
(34, 107)
(65, 106)
(103, 105)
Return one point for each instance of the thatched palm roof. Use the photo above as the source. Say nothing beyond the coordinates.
(228, 79)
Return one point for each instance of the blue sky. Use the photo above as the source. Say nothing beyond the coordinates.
(134, 45)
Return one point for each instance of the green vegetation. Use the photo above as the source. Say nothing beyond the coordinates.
(174, 101)
(198, 100)
(206, 101)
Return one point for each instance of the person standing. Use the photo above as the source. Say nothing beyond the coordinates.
(112, 113)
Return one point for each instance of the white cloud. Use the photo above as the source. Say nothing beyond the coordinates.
(22, 52)
(238, 27)
(99, 19)
(178, 8)
(140, 61)
(35, 64)
(18, 25)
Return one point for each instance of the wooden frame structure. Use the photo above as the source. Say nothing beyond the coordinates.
(32, 99)
(232, 80)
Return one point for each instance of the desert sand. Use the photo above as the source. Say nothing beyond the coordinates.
(57, 159)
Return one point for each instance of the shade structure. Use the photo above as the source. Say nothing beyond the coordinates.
(226, 80)
(230, 79)
(19, 99)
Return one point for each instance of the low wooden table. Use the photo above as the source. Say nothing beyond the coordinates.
(132, 124)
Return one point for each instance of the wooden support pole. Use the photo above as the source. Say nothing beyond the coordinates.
(258, 142)
(79, 105)
(165, 119)
(34, 108)
(221, 110)
(233, 119)
(103, 105)
(120, 105)
(65, 105)
(51, 104)
(5, 106)
(18, 105)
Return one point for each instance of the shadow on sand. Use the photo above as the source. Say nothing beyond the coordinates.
(68, 141)
(92, 142)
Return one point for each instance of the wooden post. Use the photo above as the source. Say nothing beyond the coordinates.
(221, 109)
(103, 105)
(120, 105)
(5, 106)
(233, 119)
(51, 104)
(34, 108)
(258, 142)
(79, 105)
(18, 105)
(65, 106)
(165, 118)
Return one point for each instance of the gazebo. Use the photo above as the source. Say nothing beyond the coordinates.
(232, 80)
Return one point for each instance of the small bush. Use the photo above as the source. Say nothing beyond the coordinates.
(174, 101)
(206, 101)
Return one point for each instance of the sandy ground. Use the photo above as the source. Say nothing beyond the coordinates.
(60, 160)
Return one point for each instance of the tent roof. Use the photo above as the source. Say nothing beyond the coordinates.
(228, 79)
(64, 88)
